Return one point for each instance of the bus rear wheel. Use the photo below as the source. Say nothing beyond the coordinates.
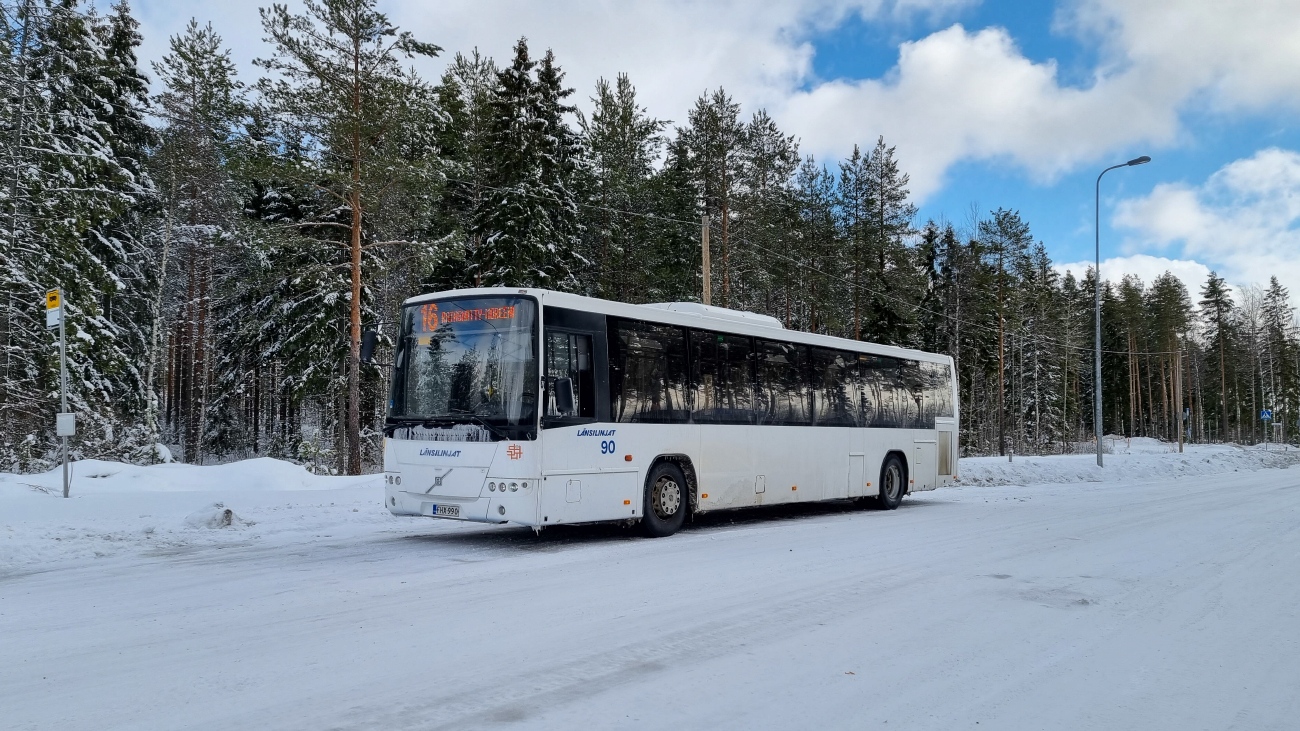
(893, 481)
(666, 501)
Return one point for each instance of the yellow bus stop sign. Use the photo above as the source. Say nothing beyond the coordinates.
(52, 300)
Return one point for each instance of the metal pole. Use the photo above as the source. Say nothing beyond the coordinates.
(1097, 425)
(63, 380)
(704, 257)
(1096, 296)
(1178, 398)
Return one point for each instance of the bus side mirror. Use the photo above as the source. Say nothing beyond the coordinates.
(369, 339)
(564, 396)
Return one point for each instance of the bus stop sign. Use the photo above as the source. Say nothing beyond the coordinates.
(53, 308)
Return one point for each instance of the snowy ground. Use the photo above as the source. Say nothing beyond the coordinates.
(1159, 593)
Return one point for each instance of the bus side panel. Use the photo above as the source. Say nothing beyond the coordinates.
(726, 466)
(588, 476)
(879, 443)
(802, 464)
(924, 473)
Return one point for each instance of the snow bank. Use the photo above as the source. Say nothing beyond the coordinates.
(1136, 459)
(120, 509)
(94, 477)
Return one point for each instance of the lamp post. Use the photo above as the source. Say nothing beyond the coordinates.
(1096, 386)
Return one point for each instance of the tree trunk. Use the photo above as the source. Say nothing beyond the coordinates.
(354, 352)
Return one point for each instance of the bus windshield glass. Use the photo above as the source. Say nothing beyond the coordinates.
(468, 361)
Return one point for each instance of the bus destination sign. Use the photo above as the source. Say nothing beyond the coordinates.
(429, 317)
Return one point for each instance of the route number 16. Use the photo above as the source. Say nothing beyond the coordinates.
(607, 447)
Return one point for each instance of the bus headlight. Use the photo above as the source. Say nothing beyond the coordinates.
(514, 487)
(492, 487)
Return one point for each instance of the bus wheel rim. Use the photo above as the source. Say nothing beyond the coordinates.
(667, 497)
(892, 481)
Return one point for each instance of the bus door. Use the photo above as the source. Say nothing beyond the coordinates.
(946, 449)
(584, 475)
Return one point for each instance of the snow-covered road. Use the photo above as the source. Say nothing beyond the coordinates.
(1152, 605)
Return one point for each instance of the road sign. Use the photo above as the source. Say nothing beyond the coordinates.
(53, 309)
(1266, 414)
(65, 424)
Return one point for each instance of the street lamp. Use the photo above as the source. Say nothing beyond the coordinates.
(1096, 386)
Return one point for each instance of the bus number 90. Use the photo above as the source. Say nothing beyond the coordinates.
(607, 447)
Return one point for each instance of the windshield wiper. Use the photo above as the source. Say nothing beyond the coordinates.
(393, 423)
(496, 431)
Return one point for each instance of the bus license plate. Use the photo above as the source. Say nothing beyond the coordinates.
(447, 511)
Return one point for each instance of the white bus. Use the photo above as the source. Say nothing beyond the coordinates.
(543, 408)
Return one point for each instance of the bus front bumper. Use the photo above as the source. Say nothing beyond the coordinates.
(506, 508)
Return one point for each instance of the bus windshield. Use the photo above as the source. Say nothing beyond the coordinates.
(468, 361)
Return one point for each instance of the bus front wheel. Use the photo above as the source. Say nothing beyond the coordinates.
(666, 501)
(893, 483)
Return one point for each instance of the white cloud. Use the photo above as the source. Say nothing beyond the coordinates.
(956, 94)
(1241, 53)
(674, 50)
(1243, 221)
(1146, 267)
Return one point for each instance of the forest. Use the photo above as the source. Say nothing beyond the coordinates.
(222, 243)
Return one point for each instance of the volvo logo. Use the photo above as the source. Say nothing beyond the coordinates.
(437, 480)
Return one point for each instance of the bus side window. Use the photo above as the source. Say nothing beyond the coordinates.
(835, 388)
(648, 373)
(722, 378)
(782, 391)
(568, 355)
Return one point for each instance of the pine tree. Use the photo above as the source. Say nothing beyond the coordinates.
(1005, 240)
(818, 284)
(623, 142)
(1168, 316)
(768, 203)
(716, 137)
(356, 127)
(202, 105)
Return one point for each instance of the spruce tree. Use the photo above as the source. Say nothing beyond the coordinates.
(890, 217)
(73, 201)
(465, 97)
(529, 223)
(1216, 312)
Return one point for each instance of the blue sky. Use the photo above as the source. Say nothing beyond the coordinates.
(990, 104)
